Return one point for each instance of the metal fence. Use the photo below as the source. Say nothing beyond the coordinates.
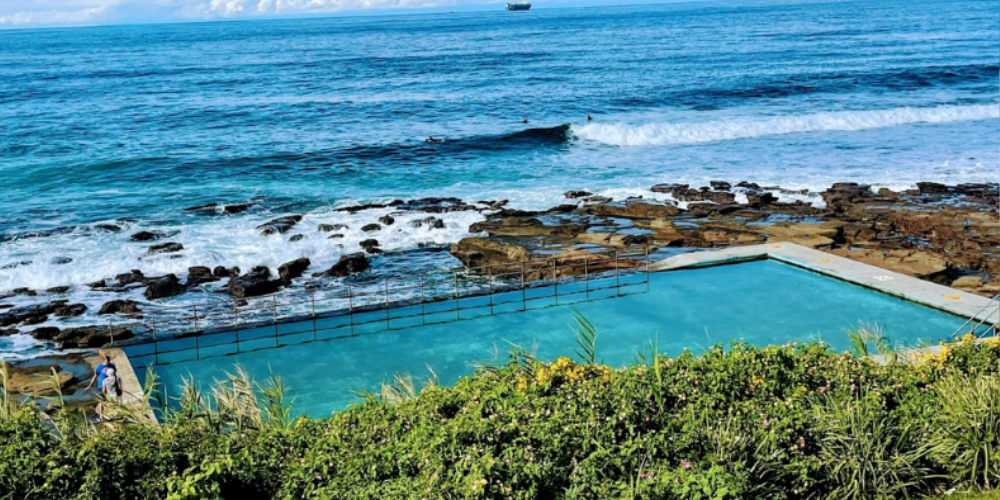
(366, 307)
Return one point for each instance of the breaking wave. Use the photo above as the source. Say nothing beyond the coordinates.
(665, 134)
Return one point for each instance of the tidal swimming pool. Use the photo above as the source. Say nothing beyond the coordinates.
(761, 302)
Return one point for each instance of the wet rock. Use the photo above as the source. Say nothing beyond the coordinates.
(6, 306)
(109, 228)
(888, 194)
(68, 310)
(702, 209)
(369, 245)
(347, 265)
(844, 198)
(481, 252)
(296, 237)
(151, 235)
(577, 194)
(335, 236)
(223, 272)
(358, 208)
(597, 199)
(525, 227)
(760, 199)
(291, 270)
(134, 276)
(255, 283)
(45, 333)
(59, 261)
(386, 220)
(683, 192)
(27, 292)
(15, 265)
(125, 306)
(200, 274)
(371, 227)
(281, 225)
(434, 223)
(720, 185)
(58, 289)
(31, 314)
(493, 204)
(748, 185)
(168, 247)
(206, 209)
(639, 210)
(41, 380)
(236, 208)
(933, 188)
(326, 228)
(436, 205)
(416, 223)
(162, 287)
(8, 331)
(90, 336)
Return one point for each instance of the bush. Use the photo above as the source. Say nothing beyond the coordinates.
(784, 422)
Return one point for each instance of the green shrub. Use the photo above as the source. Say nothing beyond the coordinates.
(785, 422)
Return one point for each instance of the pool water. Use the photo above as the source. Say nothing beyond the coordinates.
(760, 302)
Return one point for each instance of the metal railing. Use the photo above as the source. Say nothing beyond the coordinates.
(357, 308)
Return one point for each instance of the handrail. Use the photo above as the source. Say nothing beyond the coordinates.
(977, 315)
(250, 318)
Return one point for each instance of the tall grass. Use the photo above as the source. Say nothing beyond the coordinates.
(868, 453)
(967, 434)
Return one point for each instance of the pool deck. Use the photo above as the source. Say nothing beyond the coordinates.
(130, 380)
(964, 304)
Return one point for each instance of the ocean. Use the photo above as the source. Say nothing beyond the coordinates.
(107, 131)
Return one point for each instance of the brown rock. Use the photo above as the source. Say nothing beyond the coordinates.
(291, 270)
(163, 286)
(125, 306)
(637, 210)
(281, 225)
(481, 252)
(168, 247)
(254, 283)
(347, 265)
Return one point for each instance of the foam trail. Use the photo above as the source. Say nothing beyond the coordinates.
(666, 134)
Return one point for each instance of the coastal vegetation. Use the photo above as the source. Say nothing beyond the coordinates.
(738, 421)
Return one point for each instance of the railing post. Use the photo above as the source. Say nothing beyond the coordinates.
(618, 284)
(388, 324)
(313, 296)
(489, 277)
(524, 298)
(423, 317)
(586, 275)
(555, 281)
(458, 306)
(274, 305)
(350, 306)
(111, 330)
(197, 346)
(236, 322)
(647, 267)
(156, 344)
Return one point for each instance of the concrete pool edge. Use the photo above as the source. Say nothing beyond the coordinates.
(957, 302)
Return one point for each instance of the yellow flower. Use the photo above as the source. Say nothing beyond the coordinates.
(968, 337)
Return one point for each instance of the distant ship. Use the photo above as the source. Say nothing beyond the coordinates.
(518, 6)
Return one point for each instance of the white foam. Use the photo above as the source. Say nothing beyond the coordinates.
(664, 134)
(230, 241)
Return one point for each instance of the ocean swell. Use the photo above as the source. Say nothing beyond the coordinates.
(666, 134)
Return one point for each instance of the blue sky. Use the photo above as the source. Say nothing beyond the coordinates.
(50, 13)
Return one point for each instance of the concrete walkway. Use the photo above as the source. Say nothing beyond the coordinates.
(964, 304)
(130, 381)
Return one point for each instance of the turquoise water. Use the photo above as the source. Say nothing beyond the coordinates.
(762, 302)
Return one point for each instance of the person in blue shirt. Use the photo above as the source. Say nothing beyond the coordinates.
(99, 373)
